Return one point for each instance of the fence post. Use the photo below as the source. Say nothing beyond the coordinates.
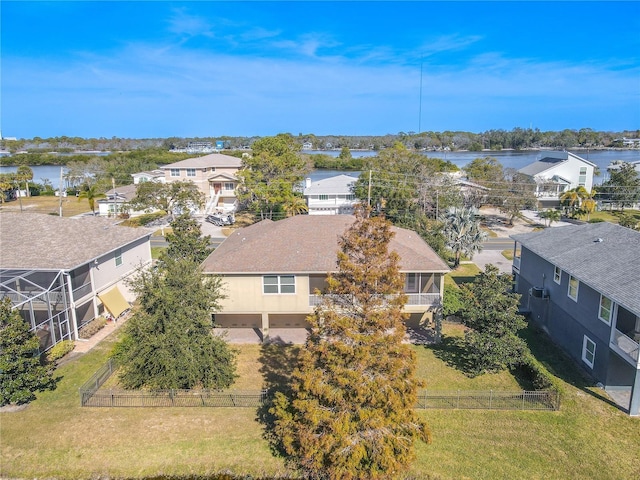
(490, 399)
(458, 404)
(523, 394)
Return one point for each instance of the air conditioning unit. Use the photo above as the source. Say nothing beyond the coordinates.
(539, 292)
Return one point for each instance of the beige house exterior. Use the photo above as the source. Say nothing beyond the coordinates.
(215, 176)
(271, 271)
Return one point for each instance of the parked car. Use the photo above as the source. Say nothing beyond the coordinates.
(220, 219)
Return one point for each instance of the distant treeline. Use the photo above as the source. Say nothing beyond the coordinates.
(516, 139)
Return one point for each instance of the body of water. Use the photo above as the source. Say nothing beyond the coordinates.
(508, 159)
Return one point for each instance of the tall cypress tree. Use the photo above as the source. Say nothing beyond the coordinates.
(20, 371)
(350, 413)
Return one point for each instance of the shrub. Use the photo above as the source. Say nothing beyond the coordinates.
(451, 300)
(91, 328)
(59, 350)
(596, 220)
(535, 372)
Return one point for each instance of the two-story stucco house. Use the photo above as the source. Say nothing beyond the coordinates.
(330, 196)
(581, 284)
(61, 273)
(271, 271)
(557, 172)
(215, 176)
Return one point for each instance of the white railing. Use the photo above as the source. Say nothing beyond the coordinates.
(412, 299)
(626, 344)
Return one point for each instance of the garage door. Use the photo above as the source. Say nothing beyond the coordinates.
(288, 321)
(237, 321)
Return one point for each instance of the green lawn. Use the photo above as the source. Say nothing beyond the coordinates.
(50, 205)
(466, 272)
(613, 216)
(55, 437)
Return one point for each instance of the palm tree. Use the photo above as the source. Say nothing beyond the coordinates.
(295, 205)
(550, 215)
(91, 193)
(573, 198)
(589, 203)
(462, 233)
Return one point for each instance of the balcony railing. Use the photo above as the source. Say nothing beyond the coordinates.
(426, 299)
(626, 344)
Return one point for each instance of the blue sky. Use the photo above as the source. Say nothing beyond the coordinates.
(186, 69)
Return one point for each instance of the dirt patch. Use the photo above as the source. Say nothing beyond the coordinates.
(498, 222)
(13, 408)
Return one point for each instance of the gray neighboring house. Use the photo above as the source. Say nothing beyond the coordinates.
(581, 285)
(330, 196)
(61, 273)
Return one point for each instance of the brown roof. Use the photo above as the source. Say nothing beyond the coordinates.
(308, 243)
(207, 161)
(45, 242)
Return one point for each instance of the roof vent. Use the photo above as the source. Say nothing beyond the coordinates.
(598, 240)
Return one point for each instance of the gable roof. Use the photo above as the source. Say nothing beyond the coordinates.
(549, 161)
(207, 161)
(610, 266)
(44, 242)
(340, 184)
(308, 244)
(124, 193)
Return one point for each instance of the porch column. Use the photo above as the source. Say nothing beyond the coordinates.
(634, 402)
(265, 327)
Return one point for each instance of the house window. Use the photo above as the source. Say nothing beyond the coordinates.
(557, 275)
(582, 178)
(323, 197)
(573, 288)
(606, 305)
(351, 197)
(588, 351)
(191, 172)
(118, 257)
(175, 172)
(229, 186)
(279, 284)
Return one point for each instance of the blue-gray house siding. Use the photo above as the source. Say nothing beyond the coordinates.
(604, 262)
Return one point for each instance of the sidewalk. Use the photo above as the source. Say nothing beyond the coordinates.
(83, 346)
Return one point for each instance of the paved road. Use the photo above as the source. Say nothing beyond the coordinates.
(498, 243)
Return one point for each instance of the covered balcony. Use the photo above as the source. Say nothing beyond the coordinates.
(625, 336)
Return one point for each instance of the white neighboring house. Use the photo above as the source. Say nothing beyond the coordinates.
(558, 172)
(330, 196)
(116, 202)
(61, 273)
(150, 176)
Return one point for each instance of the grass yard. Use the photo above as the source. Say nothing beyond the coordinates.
(613, 216)
(70, 205)
(466, 272)
(55, 437)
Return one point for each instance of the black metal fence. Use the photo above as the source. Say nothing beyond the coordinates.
(490, 400)
(92, 395)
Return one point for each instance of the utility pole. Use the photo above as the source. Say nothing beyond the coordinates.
(60, 193)
(113, 186)
(369, 193)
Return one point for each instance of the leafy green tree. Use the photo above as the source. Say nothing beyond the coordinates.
(25, 174)
(21, 374)
(491, 312)
(186, 241)
(168, 343)
(515, 194)
(350, 413)
(630, 221)
(270, 174)
(173, 197)
(485, 171)
(463, 233)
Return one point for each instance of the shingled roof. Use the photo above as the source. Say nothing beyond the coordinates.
(603, 255)
(207, 161)
(44, 242)
(308, 244)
